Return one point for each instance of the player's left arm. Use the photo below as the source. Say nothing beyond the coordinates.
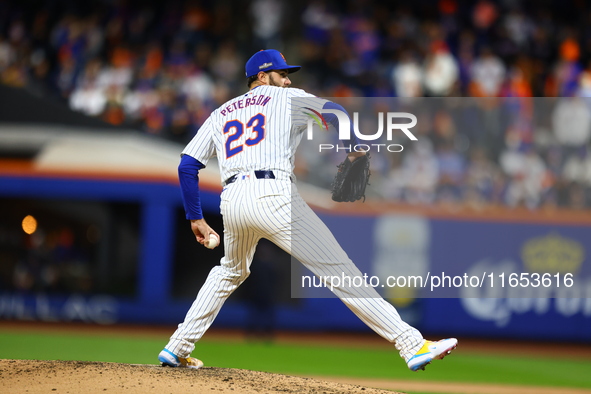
(189, 180)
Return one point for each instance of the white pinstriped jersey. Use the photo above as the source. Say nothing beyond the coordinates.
(255, 131)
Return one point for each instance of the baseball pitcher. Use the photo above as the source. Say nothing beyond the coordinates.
(254, 137)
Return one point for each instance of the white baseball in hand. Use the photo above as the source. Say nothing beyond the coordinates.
(213, 241)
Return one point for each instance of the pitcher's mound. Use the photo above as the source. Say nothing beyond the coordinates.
(77, 377)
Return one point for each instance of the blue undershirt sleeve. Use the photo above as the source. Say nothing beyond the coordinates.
(189, 180)
(332, 119)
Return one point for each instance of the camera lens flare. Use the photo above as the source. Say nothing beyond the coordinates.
(29, 224)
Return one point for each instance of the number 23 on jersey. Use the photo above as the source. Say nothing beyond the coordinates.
(234, 129)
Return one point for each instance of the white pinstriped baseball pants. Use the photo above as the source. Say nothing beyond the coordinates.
(271, 208)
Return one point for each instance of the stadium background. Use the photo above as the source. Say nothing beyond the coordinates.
(97, 100)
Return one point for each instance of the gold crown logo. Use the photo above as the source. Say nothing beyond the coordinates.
(552, 254)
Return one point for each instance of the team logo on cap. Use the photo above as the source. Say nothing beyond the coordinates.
(265, 65)
(283, 57)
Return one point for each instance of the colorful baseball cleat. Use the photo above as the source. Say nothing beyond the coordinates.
(431, 350)
(169, 359)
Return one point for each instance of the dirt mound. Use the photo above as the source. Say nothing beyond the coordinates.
(77, 377)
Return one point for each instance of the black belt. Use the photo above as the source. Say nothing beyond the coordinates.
(258, 174)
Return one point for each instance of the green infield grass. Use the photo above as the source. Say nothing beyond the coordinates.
(302, 359)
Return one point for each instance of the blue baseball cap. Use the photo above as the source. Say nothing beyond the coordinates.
(267, 60)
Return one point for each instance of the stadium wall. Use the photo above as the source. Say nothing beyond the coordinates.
(398, 244)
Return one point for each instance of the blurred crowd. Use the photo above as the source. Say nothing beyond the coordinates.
(54, 263)
(479, 152)
(162, 67)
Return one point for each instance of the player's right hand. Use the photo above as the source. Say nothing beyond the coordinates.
(353, 155)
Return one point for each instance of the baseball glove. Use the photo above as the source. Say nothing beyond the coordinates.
(351, 180)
